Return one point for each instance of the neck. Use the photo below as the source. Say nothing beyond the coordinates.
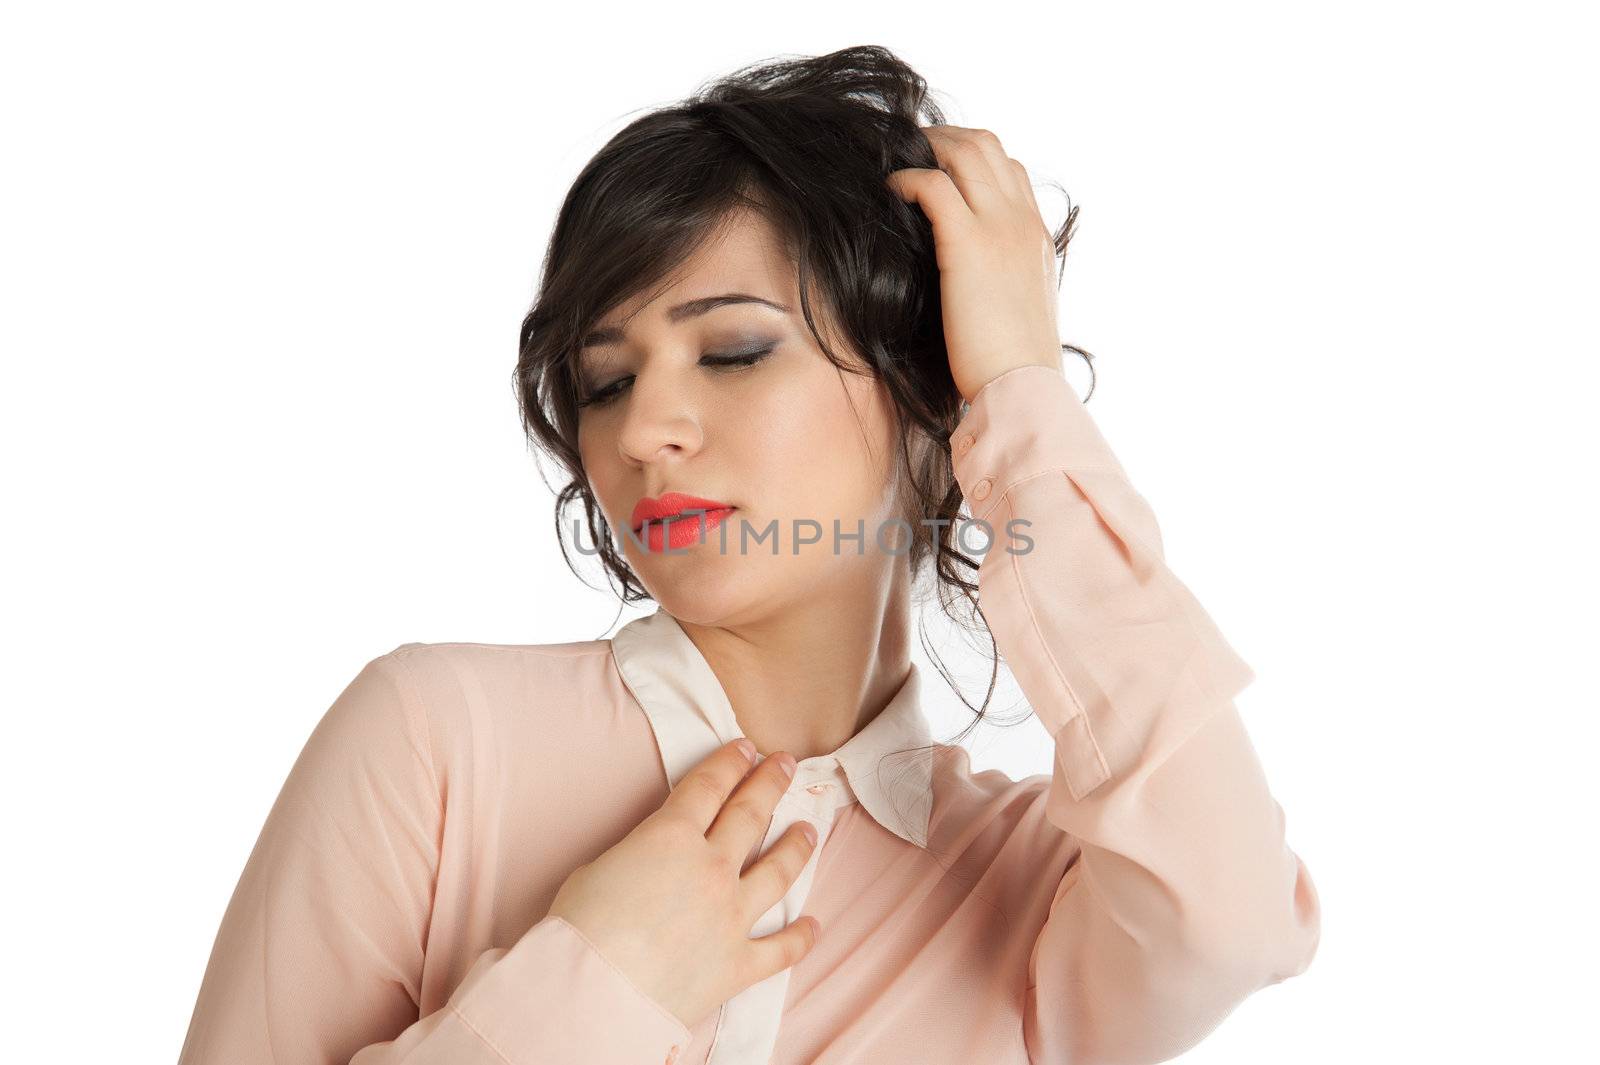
(806, 678)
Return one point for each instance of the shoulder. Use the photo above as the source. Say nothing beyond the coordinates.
(445, 674)
(998, 824)
(969, 789)
(436, 661)
(466, 693)
(988, 800)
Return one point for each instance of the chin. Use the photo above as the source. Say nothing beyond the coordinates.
(696, 594)
(714, 595)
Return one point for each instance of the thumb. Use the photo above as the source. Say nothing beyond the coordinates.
(784, 948)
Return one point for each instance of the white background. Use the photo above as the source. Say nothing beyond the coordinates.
(263, 271)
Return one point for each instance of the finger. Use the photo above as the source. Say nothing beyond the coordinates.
(699, 796)
(742, 823)
(936, 194)
(975, 162)
(770, 877)
(774, 953)
(1010, 177)
(1025, 186)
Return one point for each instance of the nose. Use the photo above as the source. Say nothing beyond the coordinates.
(661, 419)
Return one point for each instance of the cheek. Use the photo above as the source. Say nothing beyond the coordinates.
(809, 455)
(602, 475)
(586, 446)
(777, 438)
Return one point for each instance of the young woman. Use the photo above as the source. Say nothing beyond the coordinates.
(796, 339)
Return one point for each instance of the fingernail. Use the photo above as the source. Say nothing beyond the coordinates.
(748, 749)
(787, 763)
(810, 830)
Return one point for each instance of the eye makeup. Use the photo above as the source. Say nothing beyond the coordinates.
(733, 360)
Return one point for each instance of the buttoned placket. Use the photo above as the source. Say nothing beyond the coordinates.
(819, 790)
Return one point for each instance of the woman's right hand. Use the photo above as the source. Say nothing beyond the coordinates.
(671, 905)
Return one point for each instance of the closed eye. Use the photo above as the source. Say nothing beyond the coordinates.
(722, 361)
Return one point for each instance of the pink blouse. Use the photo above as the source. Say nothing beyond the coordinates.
(1116, 909)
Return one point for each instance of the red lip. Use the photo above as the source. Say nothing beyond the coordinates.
(671, 504)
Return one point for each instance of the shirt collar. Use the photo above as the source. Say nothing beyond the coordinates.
(691, 716)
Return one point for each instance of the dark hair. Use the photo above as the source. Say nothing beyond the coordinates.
(806, 142)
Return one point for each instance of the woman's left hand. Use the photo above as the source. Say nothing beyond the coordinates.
(997, 264)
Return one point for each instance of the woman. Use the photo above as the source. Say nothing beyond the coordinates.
(724, 835)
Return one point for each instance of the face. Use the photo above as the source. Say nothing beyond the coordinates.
(776, 432)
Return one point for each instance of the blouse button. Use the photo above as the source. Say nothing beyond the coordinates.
(964, 445)
(672, 1055)
(981, 489)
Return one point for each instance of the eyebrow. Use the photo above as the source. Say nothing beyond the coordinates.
(682, 312)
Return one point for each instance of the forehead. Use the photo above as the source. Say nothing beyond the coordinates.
(745, 254)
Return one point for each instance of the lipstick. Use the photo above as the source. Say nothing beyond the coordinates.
(651, 526)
